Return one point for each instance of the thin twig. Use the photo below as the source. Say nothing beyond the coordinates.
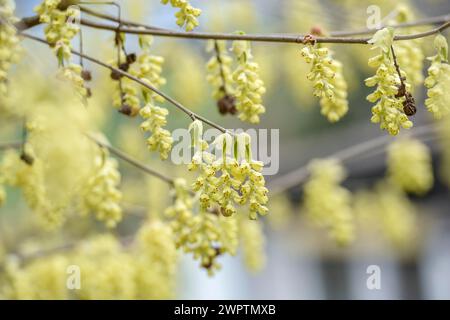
(255, 37)
(190, 113)
(336, 36)
(118, 153)
(10, 145)
(114, 19)
(122, 155)
(23, 258)
(299, 176)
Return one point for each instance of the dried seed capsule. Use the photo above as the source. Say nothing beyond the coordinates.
(126, 110)
(28, 159)
(131, 58)
(86, 75)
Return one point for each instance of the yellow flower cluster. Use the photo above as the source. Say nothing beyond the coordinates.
(155, 118)
(329, 83)
(27, 173)
(61, 27)
(253, 243)
(58, 31)
(148, 68)
(327, 203)
(187, 15)
(156, 248)
(9, 43)
(41, 279)
(438, 80)
(397, 214)
(206, 235)
(102, 267)
(409, 166)
(388, 110)
(226, 181)
(101, 195)
(180, 213)
(388, 210)
(73, 73)
(249, 87)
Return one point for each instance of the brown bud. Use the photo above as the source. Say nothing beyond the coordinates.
(317, 31)
(309, 39)
(131, 58)
(115, 75)
(126, 110)
(25, 157)
(409, 107)
(86, 75)
(124, 66)
(226, 104)
(88, 92)
(401, 91)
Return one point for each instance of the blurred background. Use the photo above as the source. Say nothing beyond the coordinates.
(302, 262)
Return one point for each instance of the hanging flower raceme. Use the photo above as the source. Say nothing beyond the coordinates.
(73, 73)
(220, 76)
(101, 195)
(155, 119)
(117, 277)
(390, 106)
(9, 44)
(148, 68)
(438, 80)
(156, 247)
(253, 242)
(328, 81)
(249, 87)
(180, 213)
(27, 173)
(397, 214)
(2, 195)
(61, 27)
(206, 235)
(327, 203)
(409, 166)
(187, 15)
(228, 181)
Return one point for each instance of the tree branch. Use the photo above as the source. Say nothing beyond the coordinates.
(10, 145)
(111, 18)
(190, 113)
(336, 36)
(118, 153)
(299, 176)
(122, 155)
(287, 38)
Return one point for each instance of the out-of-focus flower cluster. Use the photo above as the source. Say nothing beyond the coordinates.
(327, 203)
(409, 166)
(438, 80)
(9, 44)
